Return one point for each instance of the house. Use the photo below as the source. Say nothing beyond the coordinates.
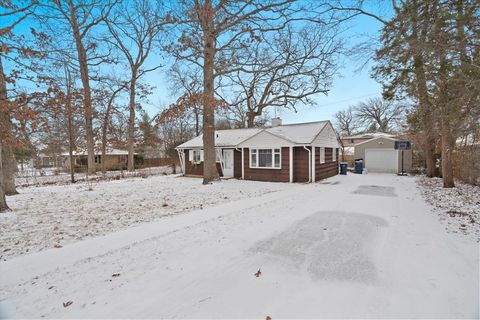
(115, 159)
(301, 152)
(379, 155)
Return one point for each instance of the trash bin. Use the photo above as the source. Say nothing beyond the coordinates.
(359, 166)
(343, 167)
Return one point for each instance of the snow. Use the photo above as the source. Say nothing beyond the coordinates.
(300, 133)
(56, 176)
(363, 246)
(458, 208)
(223, 138)
(109, 151)
(53, 216)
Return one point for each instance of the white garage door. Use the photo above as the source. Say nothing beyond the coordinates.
(381, 160)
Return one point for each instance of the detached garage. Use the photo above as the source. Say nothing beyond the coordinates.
(379, 155)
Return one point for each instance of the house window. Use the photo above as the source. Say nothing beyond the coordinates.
(98, 159)
(265, 158)
(334, 154)
(196, 156)
(322, 155)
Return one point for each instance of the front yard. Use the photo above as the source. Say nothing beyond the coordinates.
(363, 246)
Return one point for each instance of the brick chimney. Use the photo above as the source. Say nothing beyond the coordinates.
(276, 122)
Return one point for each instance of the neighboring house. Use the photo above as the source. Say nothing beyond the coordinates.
(115, 159)
(379, 155)
(299, 152)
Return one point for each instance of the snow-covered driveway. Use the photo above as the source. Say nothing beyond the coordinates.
(351, 246)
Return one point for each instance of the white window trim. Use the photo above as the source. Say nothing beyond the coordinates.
(200, 156)
(273, 158)
(334, 154)
(322, 155)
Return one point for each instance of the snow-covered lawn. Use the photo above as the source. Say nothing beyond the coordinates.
(53, 216)
(56, 176)
(364, 246)
(458, 208)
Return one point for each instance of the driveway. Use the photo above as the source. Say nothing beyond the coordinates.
(351, 246)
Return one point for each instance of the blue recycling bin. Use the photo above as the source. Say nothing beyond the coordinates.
(343, 167)
(359, 166)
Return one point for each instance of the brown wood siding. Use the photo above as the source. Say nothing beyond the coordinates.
(275, 175)
(327, 169)
(300, 164)
(237, 164)
(197, 169)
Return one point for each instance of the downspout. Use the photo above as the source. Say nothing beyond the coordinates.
(309, 164)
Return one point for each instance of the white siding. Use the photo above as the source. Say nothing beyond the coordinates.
(326, 138)
(265, 140)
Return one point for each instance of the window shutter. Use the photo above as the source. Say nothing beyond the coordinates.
(190, 155)
(201, 155)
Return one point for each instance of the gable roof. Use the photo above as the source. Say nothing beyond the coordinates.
(377, 138)
(369, 136)
(297, 133)
(223, 138)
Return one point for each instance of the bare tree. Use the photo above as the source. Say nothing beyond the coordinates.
(381, 115)
(346, 123)
(13, 14)
(286, 70)
(187, 82)
(135, 26)
(211, 34)
(79, 18)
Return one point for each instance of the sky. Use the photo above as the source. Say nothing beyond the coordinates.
(350, 85)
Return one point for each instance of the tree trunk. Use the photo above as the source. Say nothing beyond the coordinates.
(3, 199)
(210, 172)
(197, 121)
(87, 94)
(448, 143)
(9, 165)
(250, 119)
(131, 123)
(9, 170)
(429, 149)
(69, 114)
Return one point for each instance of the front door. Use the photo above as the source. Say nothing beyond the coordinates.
(228, 163)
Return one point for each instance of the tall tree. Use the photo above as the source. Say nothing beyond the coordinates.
(285, 70)
(135, 26)
(79, 19)
(381, 115)
(12, 14)
(211, 34)
(429, 51)
(346, 123)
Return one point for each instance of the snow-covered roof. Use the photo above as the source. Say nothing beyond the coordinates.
(297, 133)
(370, 135)
(301, 133)
(223, 138)
(110, 152)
